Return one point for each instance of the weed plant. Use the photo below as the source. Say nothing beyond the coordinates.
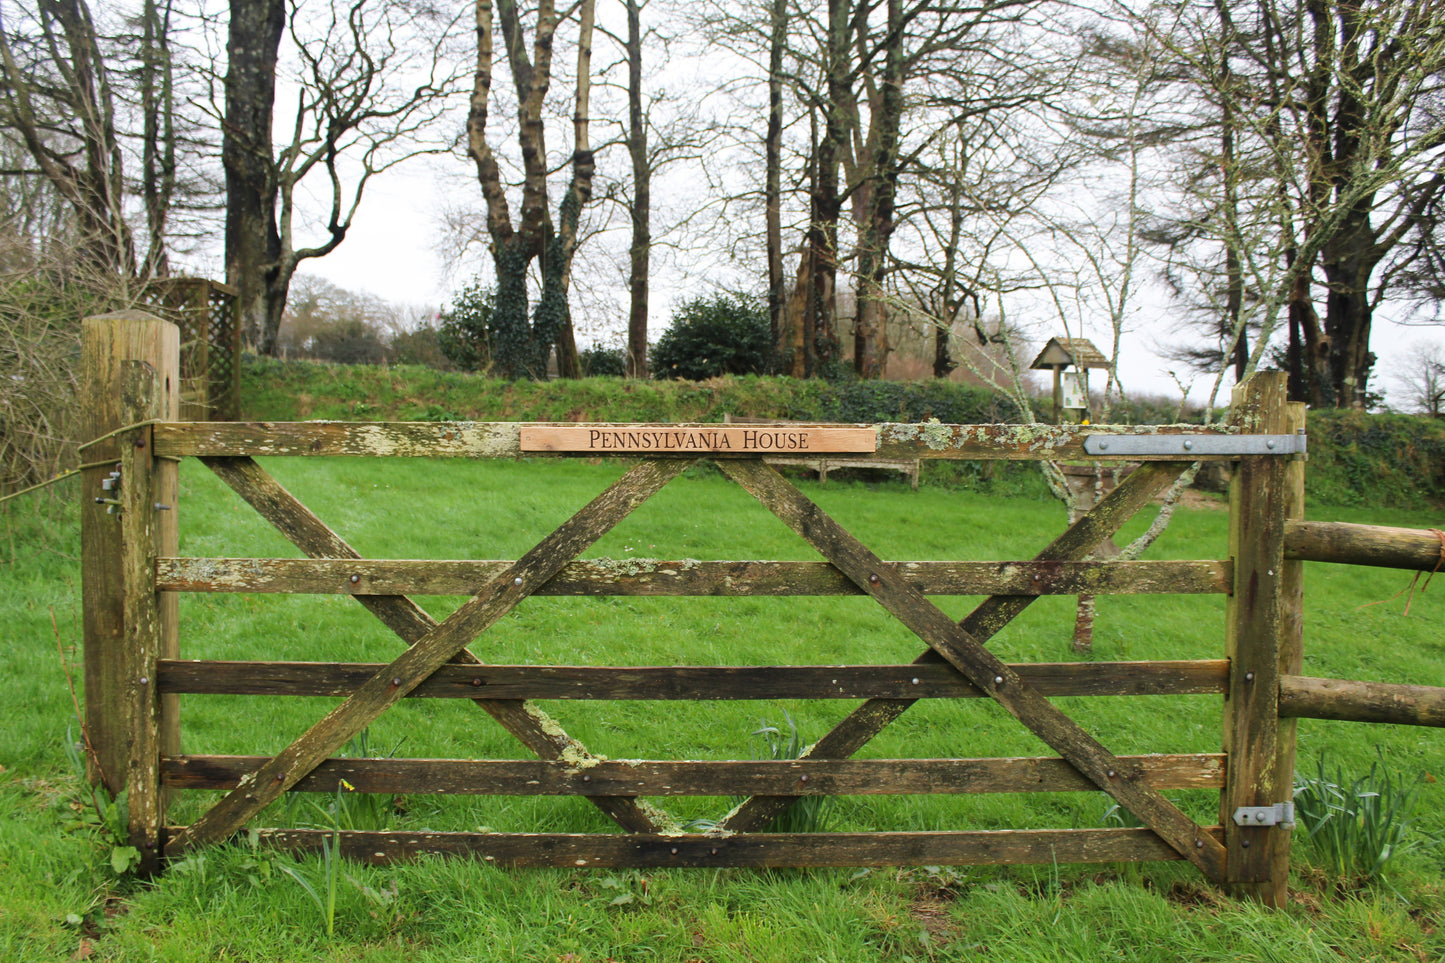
(1354, 828)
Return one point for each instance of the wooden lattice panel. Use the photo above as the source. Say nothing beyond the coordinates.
(205, 312)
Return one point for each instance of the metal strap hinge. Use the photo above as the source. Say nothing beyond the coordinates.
(1195, 445)
(1280, 814)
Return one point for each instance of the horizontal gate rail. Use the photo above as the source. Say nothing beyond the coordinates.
(640, 777)
(644, 576)
(693, 683)
(809, 850)
(503, 440)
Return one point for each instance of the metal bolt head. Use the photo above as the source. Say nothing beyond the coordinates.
(1103, 446)
(1188, 445)
(674, 850)
(803, 777)
(1249, 677)
(517, 580)
(1113, 774)
(396, 681)
(355, 578)
(873, 580)
(144, 680)
(1199, 844)
(913, 681)
(1269, 443)
(998, 680)
(476, 682)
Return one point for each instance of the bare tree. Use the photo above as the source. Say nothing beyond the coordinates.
(522, 341)
(365, 95)
(58, 101)
(1333, 180)
(1421, 380)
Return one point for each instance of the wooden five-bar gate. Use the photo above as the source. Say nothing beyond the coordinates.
(134, 675)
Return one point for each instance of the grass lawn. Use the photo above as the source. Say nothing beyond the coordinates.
(64, 901)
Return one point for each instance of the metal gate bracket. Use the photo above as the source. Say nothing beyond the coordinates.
(1280, 814)
(1189, 446)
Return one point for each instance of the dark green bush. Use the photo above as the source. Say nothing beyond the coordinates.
(723, 334)
(1358, 458)
(466, 333)
(598, 360)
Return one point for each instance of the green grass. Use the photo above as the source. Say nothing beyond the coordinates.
(235, 903)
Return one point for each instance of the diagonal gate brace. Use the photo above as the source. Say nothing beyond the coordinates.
(1124, 782)
(523, 720)
(990, 617)
(428, 654)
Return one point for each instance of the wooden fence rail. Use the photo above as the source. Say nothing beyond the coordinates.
(135, 676)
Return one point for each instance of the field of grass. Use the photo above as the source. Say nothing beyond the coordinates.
(64, 901)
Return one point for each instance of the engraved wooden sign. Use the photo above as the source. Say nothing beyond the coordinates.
(698, 439)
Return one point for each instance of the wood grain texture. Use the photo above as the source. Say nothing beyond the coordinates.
(1351, 701)
(429, 653)
(871, 718)
(529, 724)
(755, 850)
(148, 635)
(640, 777)
(663, 577)
(1124, 783)
(1417, 549)
(503, 439)
(106, 343)
(1254, 621)
(499, 682)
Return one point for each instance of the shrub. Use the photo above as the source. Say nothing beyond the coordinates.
(466, 332)
(598, 360)
(723, 334)
(420, 346)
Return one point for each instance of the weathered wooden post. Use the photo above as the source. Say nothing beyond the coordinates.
(1262, 638)
(131, 378)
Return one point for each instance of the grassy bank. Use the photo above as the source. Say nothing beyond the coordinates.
(1355, 458)
(63, 900)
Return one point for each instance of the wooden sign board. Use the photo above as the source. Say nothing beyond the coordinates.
(698, 440)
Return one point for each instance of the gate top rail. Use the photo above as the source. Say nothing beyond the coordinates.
(468, 439)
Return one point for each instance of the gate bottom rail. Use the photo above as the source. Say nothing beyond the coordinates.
(757, 850)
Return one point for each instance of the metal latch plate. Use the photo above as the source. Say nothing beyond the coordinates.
(1280, 814)
(1187, 446)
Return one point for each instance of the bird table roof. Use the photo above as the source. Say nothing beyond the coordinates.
(1061, 352)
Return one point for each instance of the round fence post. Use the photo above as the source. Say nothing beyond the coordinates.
(1261, 642)
(130, 374)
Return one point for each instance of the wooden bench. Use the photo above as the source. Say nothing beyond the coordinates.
(908, 466)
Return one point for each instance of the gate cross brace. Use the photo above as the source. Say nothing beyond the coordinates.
(427, 654)
(991, 615)
(1124, 782)
(296, 522)
(409, 621)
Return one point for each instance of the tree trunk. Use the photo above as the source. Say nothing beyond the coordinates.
(1348, 262)
(773, 191)
(158, 148)
(875, 229)
(640, 254)
(826, 203)
(253, 244)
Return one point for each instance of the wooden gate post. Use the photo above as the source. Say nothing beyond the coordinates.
(130, 376)
(1262, 639)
